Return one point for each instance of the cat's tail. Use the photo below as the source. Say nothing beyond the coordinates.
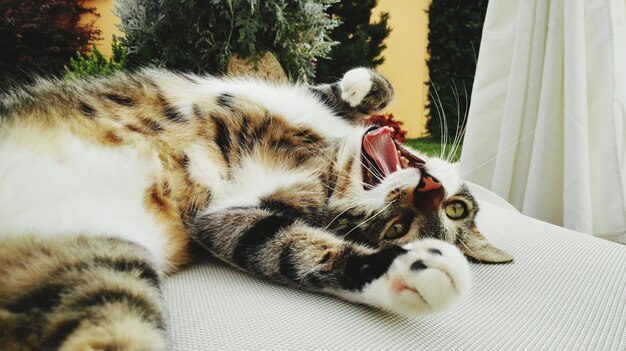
(78, 293)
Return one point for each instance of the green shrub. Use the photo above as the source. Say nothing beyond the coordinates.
(200, 36)
(360, 39)
(453, 41)
(94, 63)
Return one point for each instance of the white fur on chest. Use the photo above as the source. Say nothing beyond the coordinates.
(79, 188)
(254, 180)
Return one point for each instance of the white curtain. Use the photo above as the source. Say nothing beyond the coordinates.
(547, 122)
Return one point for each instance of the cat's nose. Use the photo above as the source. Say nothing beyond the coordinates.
(428, 183)
(428, 195)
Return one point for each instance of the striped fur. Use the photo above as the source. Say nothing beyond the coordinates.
(72, 293)
(106, 182)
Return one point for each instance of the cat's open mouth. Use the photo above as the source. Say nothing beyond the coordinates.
(381, 156)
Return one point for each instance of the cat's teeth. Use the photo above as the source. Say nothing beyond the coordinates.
(404, 161)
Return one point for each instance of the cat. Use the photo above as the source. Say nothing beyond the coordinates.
(107, 183)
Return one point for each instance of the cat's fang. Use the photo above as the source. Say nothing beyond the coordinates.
(412, 161)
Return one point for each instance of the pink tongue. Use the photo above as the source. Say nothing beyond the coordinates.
(381, 148)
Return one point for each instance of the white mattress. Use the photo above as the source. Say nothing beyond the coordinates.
(564, 291)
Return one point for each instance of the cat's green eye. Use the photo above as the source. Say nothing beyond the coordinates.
(398, 229)
(456, 209)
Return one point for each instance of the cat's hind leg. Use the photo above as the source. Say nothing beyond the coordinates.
(79, 293)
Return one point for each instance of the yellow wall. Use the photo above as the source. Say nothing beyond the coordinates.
(107, 23)
(405, 60)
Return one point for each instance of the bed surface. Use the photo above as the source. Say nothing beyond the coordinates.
(564, 291)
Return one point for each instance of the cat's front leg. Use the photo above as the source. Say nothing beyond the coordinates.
(419, 278)
(360, 93)
(430, 276)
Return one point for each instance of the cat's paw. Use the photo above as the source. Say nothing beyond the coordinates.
(430, 277)
(365, 90)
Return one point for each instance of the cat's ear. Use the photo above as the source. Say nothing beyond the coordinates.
(476, 246)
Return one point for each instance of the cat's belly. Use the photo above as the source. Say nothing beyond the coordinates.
(65, 186)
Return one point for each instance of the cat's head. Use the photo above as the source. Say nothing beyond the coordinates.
(387, 194)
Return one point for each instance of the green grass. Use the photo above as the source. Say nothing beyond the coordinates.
(431, 147)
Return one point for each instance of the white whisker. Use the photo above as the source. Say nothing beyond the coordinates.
(369, 219)
(511, 145)
(374, 169)
(469, 250)
(455, 93)
(460, 127)
(442, 116)
(346, 210)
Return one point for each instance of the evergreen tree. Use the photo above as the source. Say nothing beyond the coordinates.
(360, 40)
(455, 29)
(41, 36)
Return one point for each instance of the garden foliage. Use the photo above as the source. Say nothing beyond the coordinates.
(200, 36)
(40, 36)
(453, 42)
(360, 38)
(94, 63)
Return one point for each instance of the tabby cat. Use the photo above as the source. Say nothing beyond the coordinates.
(106, 184)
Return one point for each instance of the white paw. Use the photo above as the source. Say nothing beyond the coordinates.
(431, 277)
(355, 85)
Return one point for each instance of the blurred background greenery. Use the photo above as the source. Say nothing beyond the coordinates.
(311, 41)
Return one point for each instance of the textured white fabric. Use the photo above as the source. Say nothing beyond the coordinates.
(564, 291)
(547, 123)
